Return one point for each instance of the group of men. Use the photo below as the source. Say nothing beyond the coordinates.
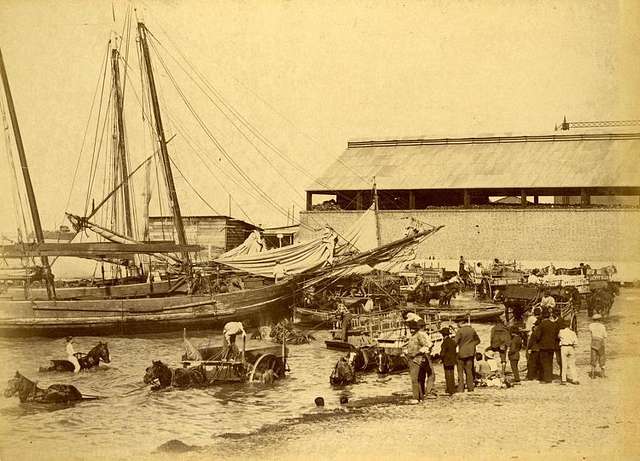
(551, 335)
(458, 351)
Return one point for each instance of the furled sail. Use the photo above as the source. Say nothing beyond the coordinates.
(390, 254)
(252, 245)
(294, 259)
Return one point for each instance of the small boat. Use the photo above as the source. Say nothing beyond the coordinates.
(477, 314)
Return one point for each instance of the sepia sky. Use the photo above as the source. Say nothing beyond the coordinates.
(310, 75)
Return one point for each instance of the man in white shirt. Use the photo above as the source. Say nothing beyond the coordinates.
(548, 302)
(71, 357)
(229, 333)
(598, 335)
(568, 342)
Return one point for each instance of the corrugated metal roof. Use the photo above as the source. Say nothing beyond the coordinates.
(596, 160)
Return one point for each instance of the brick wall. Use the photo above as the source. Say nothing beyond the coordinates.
(549, 234)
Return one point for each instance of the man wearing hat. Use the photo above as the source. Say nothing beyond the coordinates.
(449, 358)
(467, 339)
(71, 354)
(418, 350)
(598, 335)
(545, 335)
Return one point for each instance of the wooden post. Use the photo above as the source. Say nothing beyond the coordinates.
(467, 198)
(412, 200)
(309, 200)
(523, 197)
(359, 200)
(244, 347)
(585, 198)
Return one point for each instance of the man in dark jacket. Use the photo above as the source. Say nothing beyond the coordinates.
(514, 352)
(449, 359)
(546, 335)
(534, 370)
(500, 339)
(467, 339)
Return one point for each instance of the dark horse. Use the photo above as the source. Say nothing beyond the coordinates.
(344, 372)
(89, 360)
(162, 377)
(28, 391)
(389, 363)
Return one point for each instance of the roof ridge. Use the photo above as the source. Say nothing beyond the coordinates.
(493, 140)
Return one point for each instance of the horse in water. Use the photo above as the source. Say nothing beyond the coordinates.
(89, 360)
(365, 358)
(388, 363)
(344, 372)
(28, 391)
(162, 377)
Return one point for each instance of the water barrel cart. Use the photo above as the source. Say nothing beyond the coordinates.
(258, 364)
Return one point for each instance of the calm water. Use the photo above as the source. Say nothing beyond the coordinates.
(142, 420)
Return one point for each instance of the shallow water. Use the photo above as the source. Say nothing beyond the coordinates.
(141, 420)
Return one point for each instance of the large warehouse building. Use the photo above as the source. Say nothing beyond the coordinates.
(577, 195)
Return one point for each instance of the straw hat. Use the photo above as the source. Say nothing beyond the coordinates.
(596, 316)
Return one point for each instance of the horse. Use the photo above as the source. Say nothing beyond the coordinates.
(344, 372)
(365, 358)
(89, 360)
(162, 377)
(28, 391)
(388, 363)
(447, 293)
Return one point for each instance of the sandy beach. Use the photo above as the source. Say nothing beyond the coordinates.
(598, 419)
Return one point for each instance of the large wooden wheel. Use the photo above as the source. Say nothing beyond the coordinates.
(265, 363)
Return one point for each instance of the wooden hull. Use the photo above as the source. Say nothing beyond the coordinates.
(314, 316)
(131, 290)
(475, 315)
(145, 315)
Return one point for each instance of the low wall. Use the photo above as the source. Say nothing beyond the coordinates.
(549, 234)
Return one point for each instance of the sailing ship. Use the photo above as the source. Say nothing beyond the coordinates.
(130, 308)
(188, 294)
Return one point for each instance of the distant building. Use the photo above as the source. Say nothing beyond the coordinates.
(217, 234)
(459, 183)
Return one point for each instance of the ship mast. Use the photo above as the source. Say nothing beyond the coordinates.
(121, 153)
(33, 206)
(164, 154)
(376, 205)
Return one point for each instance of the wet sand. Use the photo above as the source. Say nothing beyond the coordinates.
(598, 419)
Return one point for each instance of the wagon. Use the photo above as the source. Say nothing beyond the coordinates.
(520, 299)
(264, 364)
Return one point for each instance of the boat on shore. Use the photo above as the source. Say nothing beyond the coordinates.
(55, 318)
(188, 301)
(476, 314)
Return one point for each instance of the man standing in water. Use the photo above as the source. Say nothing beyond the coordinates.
(467, 339)
(231, 330)
(71, 355)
